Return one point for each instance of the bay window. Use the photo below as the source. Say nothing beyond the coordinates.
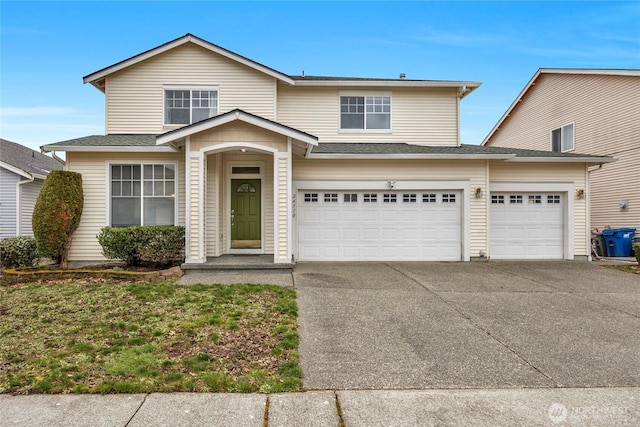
(143, 194)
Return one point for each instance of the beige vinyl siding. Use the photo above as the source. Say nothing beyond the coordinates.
(93, 167)
(612, 183)
(28, 196)
(424, 116)
(517, 172)
(237, 132)
(606, 112)
(284, 198)
(473, 171)
(213, 206)
(134, 96)
(193, 233)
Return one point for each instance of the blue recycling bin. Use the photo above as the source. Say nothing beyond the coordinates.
(619, 241)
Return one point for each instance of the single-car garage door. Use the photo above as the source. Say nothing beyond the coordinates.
(379, 226)
(526, 226)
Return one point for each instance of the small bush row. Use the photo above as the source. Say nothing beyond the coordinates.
(153, 246)
(21, 251)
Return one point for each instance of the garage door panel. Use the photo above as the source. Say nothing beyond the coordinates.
(377, 228)
(532, 229)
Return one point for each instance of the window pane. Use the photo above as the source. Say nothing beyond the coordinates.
(567, 138)
(159, 211)
(148, 171)
(158, 188)
(136, 188)
(169, 171)
(126, 172)
(125, 211)
(116, 172)
(177, 106)
(148, 188)
(116, 188)
(378, 121)
(555, 140)
(169, 188)
(352, 121)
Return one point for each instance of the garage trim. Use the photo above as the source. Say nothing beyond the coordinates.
(567, 188)
(395, 185)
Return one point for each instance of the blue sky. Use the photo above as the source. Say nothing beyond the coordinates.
(47, 47)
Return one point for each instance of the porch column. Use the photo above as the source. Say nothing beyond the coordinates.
(282, 207)
(195, 183)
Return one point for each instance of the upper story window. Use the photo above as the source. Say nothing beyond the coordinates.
(186, 106)
(562, 138)
(365, 112)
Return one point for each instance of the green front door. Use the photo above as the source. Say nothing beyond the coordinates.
(245, 214)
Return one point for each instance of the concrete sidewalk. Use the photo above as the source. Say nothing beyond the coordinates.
(488, 407)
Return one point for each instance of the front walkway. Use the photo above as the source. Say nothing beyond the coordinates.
(566, 407)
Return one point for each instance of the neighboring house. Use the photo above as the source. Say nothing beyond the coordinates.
(584, 111)
(22, 172)
(254, 161)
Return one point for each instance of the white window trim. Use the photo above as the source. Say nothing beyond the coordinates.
(573, 124)
(365, 94)
(165, 88)
(176, 202)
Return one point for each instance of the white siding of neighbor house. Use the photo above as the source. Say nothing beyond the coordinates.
(473, 171)
(93, 167)
(135, 95)
(606, 112)
(8, 181)
(423, 116)
(28, 196)
(517, 172)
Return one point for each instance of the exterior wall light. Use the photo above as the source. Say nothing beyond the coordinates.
(478, 193)
(580, 194)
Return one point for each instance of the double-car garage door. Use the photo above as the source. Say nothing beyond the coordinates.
(379, 225)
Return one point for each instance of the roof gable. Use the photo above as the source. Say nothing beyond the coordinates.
(234, 115)
(97, 78)
(556, 71)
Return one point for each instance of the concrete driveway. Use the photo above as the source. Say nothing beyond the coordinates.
(467, 325)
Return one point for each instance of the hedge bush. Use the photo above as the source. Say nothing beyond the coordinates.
(21, 251)
(636, 251)
(57, 213)
(155, 245)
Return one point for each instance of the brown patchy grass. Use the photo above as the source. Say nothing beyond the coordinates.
(98, 337)
(628, 268)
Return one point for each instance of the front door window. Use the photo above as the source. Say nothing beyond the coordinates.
(246, 222)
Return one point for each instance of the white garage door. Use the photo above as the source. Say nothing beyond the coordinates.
(379, 226)
(526, 226)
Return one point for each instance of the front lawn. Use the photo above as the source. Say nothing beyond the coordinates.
(151, 337)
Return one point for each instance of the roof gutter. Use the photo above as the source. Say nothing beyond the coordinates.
(430, 156)
(594, 160)
(108, 149)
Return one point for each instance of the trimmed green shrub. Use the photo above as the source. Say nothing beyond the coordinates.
(154, 245)
(20, 251)
(636, 251)
(57, 213)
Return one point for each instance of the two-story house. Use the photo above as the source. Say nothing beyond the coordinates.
(254, 161)
(584, 111)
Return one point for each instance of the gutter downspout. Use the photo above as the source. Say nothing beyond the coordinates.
(18, 200)
(55, 156)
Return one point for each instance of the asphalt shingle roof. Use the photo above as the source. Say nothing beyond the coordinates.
(26, 159)
(464, 149)
(113, 140)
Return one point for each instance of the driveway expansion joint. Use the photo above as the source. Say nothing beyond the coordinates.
(476, 325)
(144, 399)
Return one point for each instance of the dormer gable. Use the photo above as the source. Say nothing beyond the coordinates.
(97, 78)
